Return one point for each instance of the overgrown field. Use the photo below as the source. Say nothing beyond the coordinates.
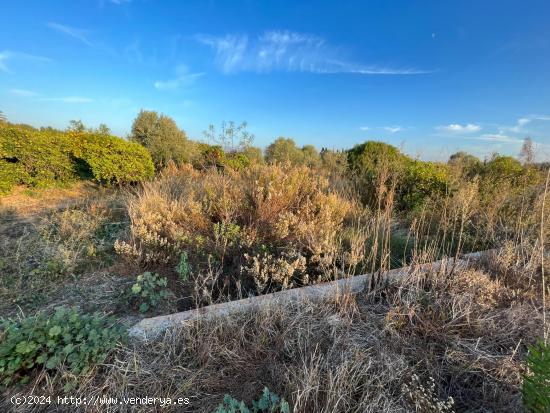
(89, 245)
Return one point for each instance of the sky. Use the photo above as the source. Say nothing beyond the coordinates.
(431, 77)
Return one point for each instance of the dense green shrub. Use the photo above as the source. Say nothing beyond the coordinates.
(149, 291)
(503, 168)
(237, 161)
(506, 171)
(114, 160)
(378, 166)
(420, 181)
(67, 339)
(41, 158)
(268, 403)
(11, 174)
(367, 158)
(536, 384)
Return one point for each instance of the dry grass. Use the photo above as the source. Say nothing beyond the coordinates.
(467, 330)
(405, 347)
(26, 202)
(61, 248)
(262, 229)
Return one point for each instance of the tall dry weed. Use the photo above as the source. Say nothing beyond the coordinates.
(266, 227)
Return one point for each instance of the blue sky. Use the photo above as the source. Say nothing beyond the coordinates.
(430, 76)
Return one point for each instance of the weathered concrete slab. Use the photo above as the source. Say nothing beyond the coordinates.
(150, 328)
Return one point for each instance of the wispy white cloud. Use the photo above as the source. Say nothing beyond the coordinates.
(119, 2)
(288, 51)
(498, 137)
(365, 128)
(79, 34)
(457, 128)
(393, 129)
(182, 79)
(8, 55)
(67, 99)
(521, 123)
(23, 92)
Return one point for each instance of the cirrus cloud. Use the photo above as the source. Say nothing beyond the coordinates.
(521, 123)
(288, 51)
(498, 137)
(23, 92)
(8, 55)
(182, 79)
(67, 99)
(79, 34)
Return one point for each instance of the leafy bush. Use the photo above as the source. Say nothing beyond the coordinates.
(536, 384)
(420, 181)
(38, 158)
(114, 160)
(367, 158)
(11, 174)
(49, 157)
(149, 291)
(268, 403)
(237, 161)
(505, 172)
(379, 167)
(67, 339)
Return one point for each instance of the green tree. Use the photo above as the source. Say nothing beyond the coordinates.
(465, 165)
(162, 138)
(310, 156)
(376, 167)
(76, 126)
(103, 129)
(254, 154)
(284, 150)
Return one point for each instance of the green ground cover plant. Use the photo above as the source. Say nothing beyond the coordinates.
(67, 340)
